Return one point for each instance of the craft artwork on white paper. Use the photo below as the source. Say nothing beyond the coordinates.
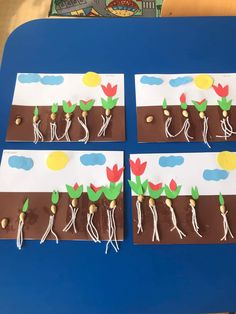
(45, 171)
(44, 89)
(152, 88)
(212, 173)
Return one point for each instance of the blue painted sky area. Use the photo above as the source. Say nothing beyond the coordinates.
(181, 80)
(28, 78)
(93, 159)
(171, 161)
(215, 174)
(20, 162)
(151, 80)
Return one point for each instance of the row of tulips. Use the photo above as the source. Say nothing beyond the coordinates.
(171, 191)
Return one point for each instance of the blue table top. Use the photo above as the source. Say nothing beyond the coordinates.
(77, 277)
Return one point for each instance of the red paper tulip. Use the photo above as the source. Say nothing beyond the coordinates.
(137, 167)
(109, 90)
(75, 187)
(182, 98)
(69, 103)
(85, 102)
(221, 91)
(173, 185)
(114, 174)
(95, 188)
(201, 101)
(155, 187)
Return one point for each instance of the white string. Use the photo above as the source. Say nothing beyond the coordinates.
(105, 123)
(48, 230)
(53, 131)
(139, 216)
(67, 128)
(20, 236)
(194, 221)
(226, 128)
(205, 131)
(155, 233)
(110, 232)
(71, 223)
(91, 229)
(167, 125)
(37, 133)
(84, 126)
(226, 227)
(173, 217)
(114, 226)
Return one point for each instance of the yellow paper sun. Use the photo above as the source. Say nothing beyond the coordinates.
(227, 160)
(203, 81)
(57, 161)
(91, 79)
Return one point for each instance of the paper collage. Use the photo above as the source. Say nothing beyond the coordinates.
(171, 207)
(55, 195)
(67, 107)
(186, 107)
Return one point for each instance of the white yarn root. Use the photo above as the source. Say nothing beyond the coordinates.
(66, 132)
(226, 128)
(91, 229)
(194, 221)
(174, 221)
(20, 236)
(71, 223)
(49, 230)
(111, 230)
(139, 215)
(205, 131)
(226, 227)
(84, 126)
(155, 234)
(167, 126)
(38, 136)
(53, 132)
(105, 123)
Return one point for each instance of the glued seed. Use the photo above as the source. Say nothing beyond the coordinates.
(168, 202)
(149, 119)
(225, 114)
(185, 113)
(22, 216)
(84, 114)
(92, 209)
(18, 120)
(112, 204)
(108, 112)
(222, 209)
(53, 209)
(166, 112)
(140, 198)
(4, 223)
(201, 115)
(192, 202)
(53, 116)
(68, 115)
(151, 202)
(35, 119)
(74, 202)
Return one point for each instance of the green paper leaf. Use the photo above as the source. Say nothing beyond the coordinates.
(25, 206)
(109, 103)
(164, 104)
(183, 105)
(54, 108)
(155, 194)
(144, 186)
(221, 199)
(92, 195)
(112, 193)
(194, 192)
(88, 106)
(67, 108)
(225, 104)
(55, 197)
(172, 194)
(74, 193)
(136, 187)
(36, 111)
(202, 107)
